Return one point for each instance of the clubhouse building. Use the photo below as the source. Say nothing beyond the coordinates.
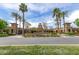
(40, 28)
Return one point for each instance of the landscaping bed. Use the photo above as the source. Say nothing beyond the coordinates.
(41, 35)
(3, 34)
(71, 34)
(39, 50)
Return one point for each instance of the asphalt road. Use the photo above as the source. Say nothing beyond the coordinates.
(14, 40)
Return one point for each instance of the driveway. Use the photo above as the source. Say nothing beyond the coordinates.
(18, 40)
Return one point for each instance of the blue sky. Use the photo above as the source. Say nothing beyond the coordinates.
(40, 12)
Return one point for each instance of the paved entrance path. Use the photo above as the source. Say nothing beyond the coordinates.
(19, 40)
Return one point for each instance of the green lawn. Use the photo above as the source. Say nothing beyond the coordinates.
(39, 50)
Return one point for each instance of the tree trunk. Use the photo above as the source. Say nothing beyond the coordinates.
(60, 25)
(64, 24)
(16, 26)
(23, 25)
(20, 24)
(57, 25)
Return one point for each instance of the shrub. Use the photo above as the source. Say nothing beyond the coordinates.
(3, 35)
(54, 34)
(70, 33)
(41, 35)
(11, 34)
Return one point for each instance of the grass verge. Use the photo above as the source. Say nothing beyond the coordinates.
(39, 50)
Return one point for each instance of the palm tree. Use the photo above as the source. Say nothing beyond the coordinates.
(23, 9)
(15, 15)
(56, 14)
(64, 14)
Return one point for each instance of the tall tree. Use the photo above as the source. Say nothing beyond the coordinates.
(3, 25)
(56, 14)
(77, 22)
(64, 14)
(23, 9)
(15, 15)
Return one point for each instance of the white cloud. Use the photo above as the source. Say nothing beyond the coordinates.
(44, 7)
(10, 5)
(37, 8)
(47, 19)
(74, 15)
(33, 24)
